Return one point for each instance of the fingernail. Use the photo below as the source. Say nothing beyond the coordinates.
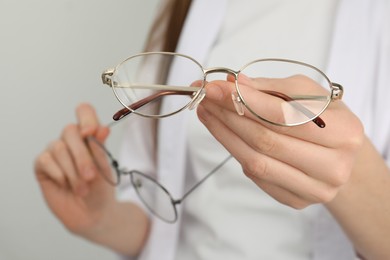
(102, 133)
(88, 130)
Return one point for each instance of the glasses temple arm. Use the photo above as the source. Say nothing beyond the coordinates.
(318, 121)
(204, 179)
(128, 110)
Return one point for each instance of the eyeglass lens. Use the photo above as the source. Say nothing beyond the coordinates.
(143, 79)
(285, 92)
(108, 166)
(154, 196)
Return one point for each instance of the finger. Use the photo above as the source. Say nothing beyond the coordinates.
(81, 156)
(198, 83)
(300, 154)
(102, 161)
(264, 167)
(269, 108)
(46, 169)
(281, 195)
(102, 133)
(61, 155)
(87, 119)
(264, 107)
(219, 92)
(52, 181)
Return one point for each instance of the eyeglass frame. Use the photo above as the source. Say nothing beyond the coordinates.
(174, 202)
(336, 94)
(336, 91)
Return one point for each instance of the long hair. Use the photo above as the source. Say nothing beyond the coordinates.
(163, 36)
(167, 26)
(165, 32)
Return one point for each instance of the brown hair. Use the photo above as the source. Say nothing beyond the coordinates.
(167, 26)
(163, 36)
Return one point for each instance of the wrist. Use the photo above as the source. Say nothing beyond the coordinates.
(123, 228)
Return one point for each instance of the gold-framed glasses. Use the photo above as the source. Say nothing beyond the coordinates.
(298, 93)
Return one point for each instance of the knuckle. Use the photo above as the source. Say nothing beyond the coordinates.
(70, 129)
(59, 147)
(74, 228)
(340, 174)
(292, 201)
(341, 177)
(299, 77)
(356, 138)
(255, 167)
(302, 80)
(353, 138)
(326, 195)
(44, 169)
(299, 204)
(265, 142)
(42, 160)
(285, 130)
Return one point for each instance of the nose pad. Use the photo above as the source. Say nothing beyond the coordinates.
(238, 105)
(198, 99)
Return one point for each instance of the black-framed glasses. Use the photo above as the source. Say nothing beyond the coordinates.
(141, 81)
(152, 193)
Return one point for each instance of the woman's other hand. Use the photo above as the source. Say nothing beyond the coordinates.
(299, 165)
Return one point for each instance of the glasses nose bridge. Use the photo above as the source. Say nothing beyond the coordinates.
(221, 70)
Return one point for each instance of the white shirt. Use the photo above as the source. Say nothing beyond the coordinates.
(229, 217)
(362, 28)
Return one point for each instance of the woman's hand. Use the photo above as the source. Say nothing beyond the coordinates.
(297, 166)
(70, 173)
(70, 179)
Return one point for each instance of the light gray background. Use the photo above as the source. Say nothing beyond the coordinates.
(51, 56)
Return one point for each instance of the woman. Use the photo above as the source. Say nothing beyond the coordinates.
(338, 169)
